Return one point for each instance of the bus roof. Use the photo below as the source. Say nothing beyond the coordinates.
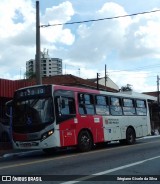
(128, 94)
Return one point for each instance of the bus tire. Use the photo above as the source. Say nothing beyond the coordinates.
(130, 136)
(85, 141)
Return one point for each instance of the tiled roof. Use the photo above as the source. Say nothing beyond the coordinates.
(71, 80)
(9, 86)
(153, 93)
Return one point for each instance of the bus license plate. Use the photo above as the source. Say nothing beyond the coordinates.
(26, 144)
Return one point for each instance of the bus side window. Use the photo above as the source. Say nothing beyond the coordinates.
(128, 107)
(115, 106)
(66, 105)
(102, 107)
(65, 108)
(141, 107)
(86, 104)
(82, 109)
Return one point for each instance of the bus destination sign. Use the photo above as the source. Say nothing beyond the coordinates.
(35, 91)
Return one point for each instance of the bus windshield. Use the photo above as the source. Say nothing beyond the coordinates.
(33, 111)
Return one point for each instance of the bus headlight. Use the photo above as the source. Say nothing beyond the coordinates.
(47, 134)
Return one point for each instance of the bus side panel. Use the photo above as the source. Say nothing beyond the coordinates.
(113, 127)
(68, 132)
(94, 124)
(139, 123)
(98, 129)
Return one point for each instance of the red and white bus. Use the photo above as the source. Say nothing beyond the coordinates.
(52, 116)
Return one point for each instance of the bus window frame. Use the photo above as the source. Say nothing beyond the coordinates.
(83, 105)
(141, 108)
(61, 94)
(129, 107)
(107, 106)
(116, 106)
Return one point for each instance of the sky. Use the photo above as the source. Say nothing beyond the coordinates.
(129, 47)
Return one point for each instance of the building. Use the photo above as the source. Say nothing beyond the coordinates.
(49, 66)
(109, 83)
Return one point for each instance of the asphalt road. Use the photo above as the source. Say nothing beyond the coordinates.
(138, 163)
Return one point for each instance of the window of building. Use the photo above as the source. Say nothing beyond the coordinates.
(115, 106)
(128, 107)
(86, 104)
(102, 105)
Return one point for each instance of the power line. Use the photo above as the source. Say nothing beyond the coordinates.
(139, 68)
(135, 76)
(101, 19)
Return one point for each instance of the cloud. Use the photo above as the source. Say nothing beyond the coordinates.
(59, 14)
(88, 45)
(98, 39)
(18, 32)
(16, 35)
(12, 14)
(55, 15)
(137, 80)
(142, 37)
(129, 37)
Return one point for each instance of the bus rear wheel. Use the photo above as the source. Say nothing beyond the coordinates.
(130, 136)
(85, 141)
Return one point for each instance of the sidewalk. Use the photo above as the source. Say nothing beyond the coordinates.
(7, 149)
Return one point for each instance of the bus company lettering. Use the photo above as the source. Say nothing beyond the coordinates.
(112, 121)
(69, 133)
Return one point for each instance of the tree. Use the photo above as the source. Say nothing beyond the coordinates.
(126, 88)
(30, 75)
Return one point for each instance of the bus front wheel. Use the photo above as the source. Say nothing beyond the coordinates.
(85, 141)
(130, 136)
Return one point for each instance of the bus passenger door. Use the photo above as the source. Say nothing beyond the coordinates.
(66, 117)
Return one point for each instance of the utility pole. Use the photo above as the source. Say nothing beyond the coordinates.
(97, 81)
(38, 51)
(158, 89)
(105, 74)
